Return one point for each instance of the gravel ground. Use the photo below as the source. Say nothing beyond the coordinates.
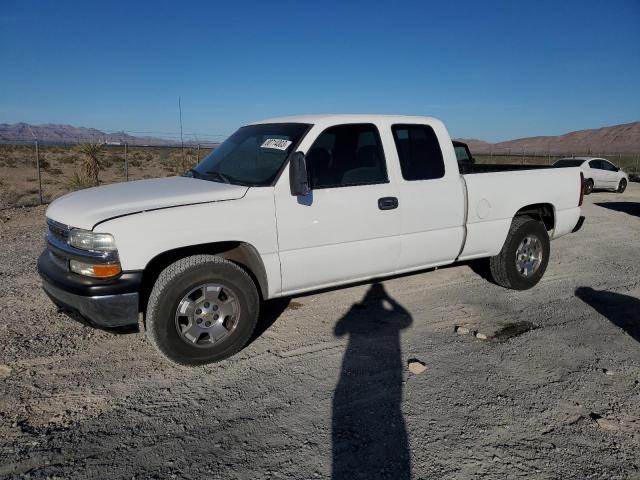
(328, 389)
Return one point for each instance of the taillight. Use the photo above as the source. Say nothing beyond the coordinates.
(581, 189)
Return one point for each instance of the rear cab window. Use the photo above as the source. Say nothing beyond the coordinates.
(418, 151)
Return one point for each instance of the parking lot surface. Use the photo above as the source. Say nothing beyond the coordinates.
(543, 383)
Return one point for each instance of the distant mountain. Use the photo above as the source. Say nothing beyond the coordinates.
(53, 133)
(616, 139)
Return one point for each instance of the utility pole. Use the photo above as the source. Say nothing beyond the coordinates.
(37, 166)
(126, 163)
(181, 140)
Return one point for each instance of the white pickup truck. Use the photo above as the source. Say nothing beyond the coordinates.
(290, 205)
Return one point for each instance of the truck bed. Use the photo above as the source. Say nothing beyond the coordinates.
(471, 168)
(494, 198)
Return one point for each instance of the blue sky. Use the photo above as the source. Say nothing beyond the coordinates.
(490, 70)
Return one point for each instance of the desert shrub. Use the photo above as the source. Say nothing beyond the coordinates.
(27, 201)
(67, 160)
(91, 163)
(77, 182)
(135, 163)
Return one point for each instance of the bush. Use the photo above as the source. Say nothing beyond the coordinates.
(77, 182)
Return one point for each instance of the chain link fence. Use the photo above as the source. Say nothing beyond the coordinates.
(33, 173)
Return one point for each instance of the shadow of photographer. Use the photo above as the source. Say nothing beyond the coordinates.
(368, 429)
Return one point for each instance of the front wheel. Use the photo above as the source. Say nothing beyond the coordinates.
(202, 309)
(622, 186)
(524, 256)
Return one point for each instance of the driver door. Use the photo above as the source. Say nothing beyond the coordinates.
(347, 228)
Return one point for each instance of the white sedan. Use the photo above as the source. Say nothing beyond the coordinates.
(598, 173)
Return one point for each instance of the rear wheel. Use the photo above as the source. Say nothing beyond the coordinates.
(588, 186)
(622, 186)
(202, 309)
(524, 256)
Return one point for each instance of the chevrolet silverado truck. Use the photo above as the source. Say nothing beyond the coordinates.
(290, 205)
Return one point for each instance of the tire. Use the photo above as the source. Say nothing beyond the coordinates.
(588, 186)
(525, 233)
(189, 284)
(622, 186)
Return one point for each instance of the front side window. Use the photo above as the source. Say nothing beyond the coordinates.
(347, 155)
(252, 156)
(419, 152)
(609, 166)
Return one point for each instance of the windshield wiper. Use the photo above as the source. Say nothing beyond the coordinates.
(192, 173)
(219, 175)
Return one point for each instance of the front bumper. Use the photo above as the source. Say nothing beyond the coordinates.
(100, 303)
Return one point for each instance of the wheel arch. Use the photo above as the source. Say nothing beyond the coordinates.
(543, 212)
(243, 254)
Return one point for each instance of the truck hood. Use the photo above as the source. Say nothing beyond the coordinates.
(86, 208)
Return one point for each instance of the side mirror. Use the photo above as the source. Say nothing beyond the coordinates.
(298, 178)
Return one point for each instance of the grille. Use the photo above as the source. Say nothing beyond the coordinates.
(58, 230)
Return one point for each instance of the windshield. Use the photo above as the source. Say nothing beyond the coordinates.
(568, 162)
(252, 156)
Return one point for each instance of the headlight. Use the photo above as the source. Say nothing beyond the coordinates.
(86, 240)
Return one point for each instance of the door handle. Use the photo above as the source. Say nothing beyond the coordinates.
(387, 203)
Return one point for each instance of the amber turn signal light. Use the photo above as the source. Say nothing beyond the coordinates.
(101, 270)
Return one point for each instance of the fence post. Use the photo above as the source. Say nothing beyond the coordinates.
(198, 155)
(491, 153)
(126, 163)
(39, 176)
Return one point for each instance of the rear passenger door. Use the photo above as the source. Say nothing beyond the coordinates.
(431, 199)
(347, 227)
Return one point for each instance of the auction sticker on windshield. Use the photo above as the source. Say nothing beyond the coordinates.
(277, 143)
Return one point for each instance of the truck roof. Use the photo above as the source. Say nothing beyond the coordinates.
(349, 118)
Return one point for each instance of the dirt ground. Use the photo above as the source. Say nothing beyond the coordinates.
(326, 391)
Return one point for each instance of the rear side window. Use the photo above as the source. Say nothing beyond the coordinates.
(419, 152)
(595, 164)
(347, 155)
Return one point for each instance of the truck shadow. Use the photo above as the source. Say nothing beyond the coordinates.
(270, 311)
(632, 208)
(621, 310)
(369, 435)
